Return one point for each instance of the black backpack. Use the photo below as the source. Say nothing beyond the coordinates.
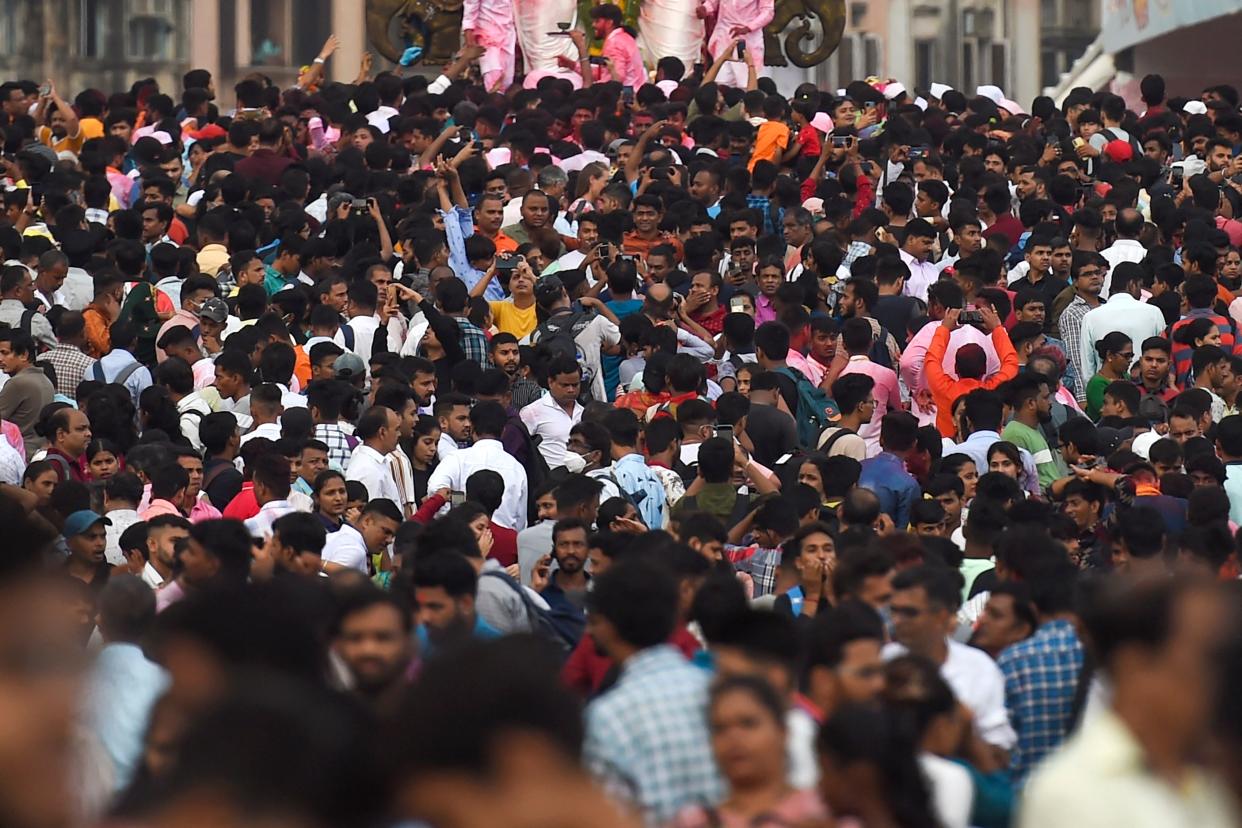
(556, 335)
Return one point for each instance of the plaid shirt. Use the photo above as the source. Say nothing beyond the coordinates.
(1071, 333)
(339, 450)
(856, 250)
(764, 205)
(757, 561)
(474, 342)
(1041, 677)
(70, 365)
(647, 738)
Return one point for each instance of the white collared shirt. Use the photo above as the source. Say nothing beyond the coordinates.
(978, 683)
(1122, 250)
(1123, 313)
(370, 468)
(488, 453)
(152, 577)
(269, 431)
(546, 419)
(346, 547)
(260, 526)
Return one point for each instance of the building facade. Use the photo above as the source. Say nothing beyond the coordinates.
(109, 44)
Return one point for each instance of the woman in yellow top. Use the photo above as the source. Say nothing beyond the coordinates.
(515, 315)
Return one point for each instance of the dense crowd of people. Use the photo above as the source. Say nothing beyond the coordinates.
(623, 447)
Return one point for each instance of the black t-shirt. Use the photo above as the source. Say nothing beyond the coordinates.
(789, 390)
(896, 313)
(223, 485)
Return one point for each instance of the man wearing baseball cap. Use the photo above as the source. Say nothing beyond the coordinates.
(86, 536)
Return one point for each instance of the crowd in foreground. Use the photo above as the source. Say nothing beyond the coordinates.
(410, 450)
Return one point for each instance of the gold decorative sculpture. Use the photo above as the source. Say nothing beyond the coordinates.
(435, 25)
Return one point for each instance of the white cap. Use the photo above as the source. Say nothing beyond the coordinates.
(1142, 444)
(815, 205)
(894, 91)
(1195, 108)
(841, 93)
(667, 86)
(920, 102)
(1012, 107)
(496, 157)
(937, 90)
(992, 93)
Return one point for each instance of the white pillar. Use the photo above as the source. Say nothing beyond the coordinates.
(205, 37)
(350, 25)
(242, 37)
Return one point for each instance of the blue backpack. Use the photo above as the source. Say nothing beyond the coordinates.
(816, 411)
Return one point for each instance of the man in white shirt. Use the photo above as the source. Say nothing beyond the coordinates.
(379, 430)
(488, 421)
(925, 601)
(1122, 312)
(915, 252)
(1127, 248)
(453, 413)
(552, 416)
(350, 546)
(271, 491)
(265, 410)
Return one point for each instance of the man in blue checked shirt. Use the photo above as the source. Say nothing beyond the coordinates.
(1041, 673)
(647, 740)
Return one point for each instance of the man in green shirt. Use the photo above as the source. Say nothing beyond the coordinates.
(1031, 400)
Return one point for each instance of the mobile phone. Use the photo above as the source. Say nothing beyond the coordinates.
(506, 262)
(457, 498)
(725, 431)
(478, 146)
(869, 105)
(360, 207)
(841, 141)
(741, 50)
(1053, 141)
(970, 316)
(1079, 142)
(597, 61)
(1176, 174)
(918, 152)
(627, 95)
(626, 257)
(604, 250)
(45, 90)
(737, 305)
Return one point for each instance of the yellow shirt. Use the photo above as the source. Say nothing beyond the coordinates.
(511, 319)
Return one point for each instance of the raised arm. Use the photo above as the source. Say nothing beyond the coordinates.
(433, 149)
(640, 148)
(584, 56)
(71, 117)
(721, 59)
(315, 73)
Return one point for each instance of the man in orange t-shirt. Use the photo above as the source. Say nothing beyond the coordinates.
(773, 137)
(489, 215)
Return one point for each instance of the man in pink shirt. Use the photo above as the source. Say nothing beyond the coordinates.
(619, 48)
(737, 19)
(941, 296)
(856, 338)
(491, 25)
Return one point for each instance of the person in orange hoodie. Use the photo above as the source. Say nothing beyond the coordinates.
(970, 363)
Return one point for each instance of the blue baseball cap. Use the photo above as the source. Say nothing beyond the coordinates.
(81, 520)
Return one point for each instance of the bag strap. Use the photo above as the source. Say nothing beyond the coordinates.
(97, 371)
(126, 373)
(210, 477)
(533, 614)
(841, 431)
(26, 321)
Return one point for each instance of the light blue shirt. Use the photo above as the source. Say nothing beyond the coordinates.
(459, 226)
(643, 487)
(122, 688)
(1233, 488)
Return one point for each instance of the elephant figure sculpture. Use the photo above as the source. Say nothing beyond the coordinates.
(831, 16)
(434, 25)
